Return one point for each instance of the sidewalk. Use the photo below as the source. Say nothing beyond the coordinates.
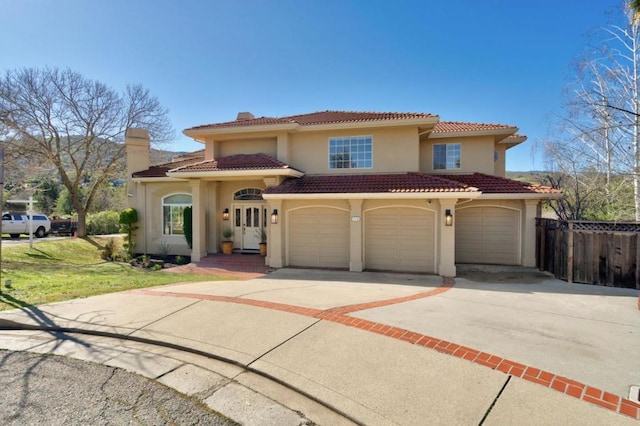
(357, 371)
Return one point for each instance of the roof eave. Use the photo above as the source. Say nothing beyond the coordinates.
(400, 122)
(511, 142)
(493, 132)
(374, 195)
(237, 173)
(155, 179)
(201, 132)
(521, 196)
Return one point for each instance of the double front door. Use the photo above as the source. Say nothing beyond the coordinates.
(249, 224)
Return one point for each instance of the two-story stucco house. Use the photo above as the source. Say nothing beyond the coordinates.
(336, 189)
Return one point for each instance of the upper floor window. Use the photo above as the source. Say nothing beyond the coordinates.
(351, 152)
(173, 213)
(446, 156)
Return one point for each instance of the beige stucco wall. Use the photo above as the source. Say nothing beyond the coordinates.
(230, 145)
(499, 166)
(394, 150)
(357, 227)
(248, 146)
(150, 238)
(476, 155)
(217, 197)
(225, 191)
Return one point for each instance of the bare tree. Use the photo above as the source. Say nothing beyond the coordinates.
(76, 124)
(600, 125)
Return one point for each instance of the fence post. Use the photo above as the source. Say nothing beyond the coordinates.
(542, 233)
(570, 253)
(637, 241)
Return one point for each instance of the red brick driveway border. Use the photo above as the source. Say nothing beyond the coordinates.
(340, 315)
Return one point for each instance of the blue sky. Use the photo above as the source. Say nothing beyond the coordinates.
(495, 61)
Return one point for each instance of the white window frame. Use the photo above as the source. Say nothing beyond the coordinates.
(168, 229)
(449, 150)
(353, 142)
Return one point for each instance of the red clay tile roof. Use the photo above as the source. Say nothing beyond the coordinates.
(195, 162)
(160, 170)
(461, 126)
(406, 183)
(391, 183)
(320, 117)
(488, 184)
(234, 162)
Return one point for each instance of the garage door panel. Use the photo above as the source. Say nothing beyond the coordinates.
(487, 235)
(399, 239)
(319, 237)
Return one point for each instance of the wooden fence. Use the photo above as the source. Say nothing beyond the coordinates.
(601, 253)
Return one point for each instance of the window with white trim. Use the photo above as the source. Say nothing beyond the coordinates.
(173, 213)
(351, 152)
(446, 156)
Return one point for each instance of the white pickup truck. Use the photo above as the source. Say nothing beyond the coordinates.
(16, 224)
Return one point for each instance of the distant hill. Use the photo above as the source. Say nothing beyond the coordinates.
(158, 156)
(20, 171)
(530, 177)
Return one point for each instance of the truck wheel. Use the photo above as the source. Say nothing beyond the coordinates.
(14, 236)
(40, 232)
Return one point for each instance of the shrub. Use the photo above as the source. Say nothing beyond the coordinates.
(188, 226)
(128, 219)
(103, 223)
(109, 249)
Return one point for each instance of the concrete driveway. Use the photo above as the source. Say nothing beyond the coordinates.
(342, 337)
(587, 333)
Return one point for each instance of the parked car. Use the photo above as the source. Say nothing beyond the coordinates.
(16, 224)
(61, 225)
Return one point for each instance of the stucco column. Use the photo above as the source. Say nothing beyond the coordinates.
(137, 150)
(447, 266)
(275, 246)
(198, 220)
(215, 218)
(283, 147)
(529, 233)
(355, 237)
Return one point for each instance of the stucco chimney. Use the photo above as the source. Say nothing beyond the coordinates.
(244, 116)
(137, 145)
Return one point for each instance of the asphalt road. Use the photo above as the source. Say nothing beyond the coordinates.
(54, 390)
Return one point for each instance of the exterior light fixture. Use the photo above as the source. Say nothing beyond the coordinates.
(225, 214)
(274, 216)
(448, 218)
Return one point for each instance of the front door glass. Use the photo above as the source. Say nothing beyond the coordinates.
(249, 222)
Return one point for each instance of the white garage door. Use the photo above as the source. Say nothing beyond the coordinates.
(400, 239)
(319, 237)
(487, 235)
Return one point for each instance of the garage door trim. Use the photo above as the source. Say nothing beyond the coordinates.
(518, 231)
(307, 207)
(435, 237)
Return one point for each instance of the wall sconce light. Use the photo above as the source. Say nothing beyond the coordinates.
(448, 218)
(274, 216)
(225, 214)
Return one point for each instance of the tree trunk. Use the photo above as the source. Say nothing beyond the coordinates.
(82, 222)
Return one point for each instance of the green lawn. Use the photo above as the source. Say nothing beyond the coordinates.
(68, 269)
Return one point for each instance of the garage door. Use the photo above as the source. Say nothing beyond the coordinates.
(487, 235)
(400, 239)
(319, 237)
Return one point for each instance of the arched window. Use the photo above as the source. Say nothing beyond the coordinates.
(172, 213)
(248, 194)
